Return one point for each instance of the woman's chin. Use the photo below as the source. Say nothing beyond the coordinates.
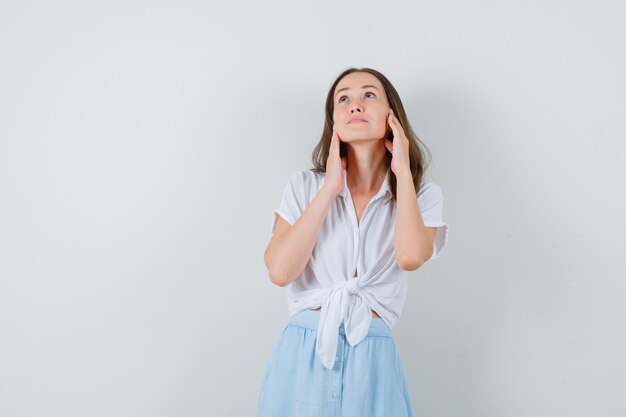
(353, 139)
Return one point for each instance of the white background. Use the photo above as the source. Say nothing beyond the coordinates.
(144, 145)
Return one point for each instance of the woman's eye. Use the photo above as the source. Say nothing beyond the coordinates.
(368, 94)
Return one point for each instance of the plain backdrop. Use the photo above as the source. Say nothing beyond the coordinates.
(144, 145)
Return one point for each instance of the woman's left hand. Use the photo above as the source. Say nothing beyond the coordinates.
(399, 148)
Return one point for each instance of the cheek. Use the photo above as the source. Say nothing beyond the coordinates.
(382, 122)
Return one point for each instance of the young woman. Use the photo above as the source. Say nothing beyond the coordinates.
(344, 238)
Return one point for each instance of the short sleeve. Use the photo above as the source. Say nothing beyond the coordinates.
(293, 201)
(430, 201)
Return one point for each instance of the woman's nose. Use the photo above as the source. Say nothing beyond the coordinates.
(356, 108)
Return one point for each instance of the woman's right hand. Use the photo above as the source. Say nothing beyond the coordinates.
(291, 246)
(335, 166)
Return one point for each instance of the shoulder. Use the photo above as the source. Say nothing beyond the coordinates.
(429, 192)
(429, 187)
(303, 186)
(306, 179)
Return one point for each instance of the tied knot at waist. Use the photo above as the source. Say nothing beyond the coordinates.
(342, 303)
(352, 285)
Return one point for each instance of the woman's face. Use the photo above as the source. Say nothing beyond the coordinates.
(360, 108)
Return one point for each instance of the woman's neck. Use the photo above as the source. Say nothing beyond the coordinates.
(366, 168)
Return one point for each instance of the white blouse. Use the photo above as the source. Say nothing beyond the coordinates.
(352, 269)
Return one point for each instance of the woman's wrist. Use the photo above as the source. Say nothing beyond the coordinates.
(328, 191)
(404, 176)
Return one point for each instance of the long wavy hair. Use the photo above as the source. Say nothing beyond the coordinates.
(417, 149)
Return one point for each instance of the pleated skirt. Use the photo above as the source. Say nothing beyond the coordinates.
(367, 380)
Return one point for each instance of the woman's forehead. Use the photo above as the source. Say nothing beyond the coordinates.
(358, 80)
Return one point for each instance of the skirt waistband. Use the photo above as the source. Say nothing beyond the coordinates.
(309, 319)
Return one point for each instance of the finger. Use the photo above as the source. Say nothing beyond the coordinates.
(394, 117)
(335, 132)
(393, 125)
(389, 145)
(333, 138)
(334, 149)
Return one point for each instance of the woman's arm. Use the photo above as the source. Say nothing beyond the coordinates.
(291, 246)
(413, 242)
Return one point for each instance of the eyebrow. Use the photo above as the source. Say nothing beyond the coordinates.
(347, 88)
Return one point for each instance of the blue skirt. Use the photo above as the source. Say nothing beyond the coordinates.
(366, 380)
